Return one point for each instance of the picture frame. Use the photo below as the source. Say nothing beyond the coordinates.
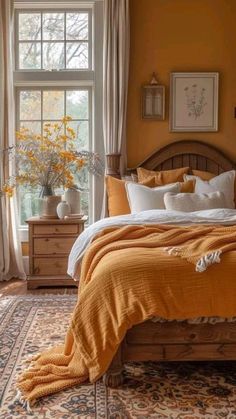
(153, 102)
(194, 101)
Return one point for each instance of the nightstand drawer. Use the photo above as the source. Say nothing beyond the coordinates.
(55, 229)
(53, 245)
(50, 266)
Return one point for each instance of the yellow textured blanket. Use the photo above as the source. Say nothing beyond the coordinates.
(126, 278)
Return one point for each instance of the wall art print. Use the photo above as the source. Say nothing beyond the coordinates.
(194, 102)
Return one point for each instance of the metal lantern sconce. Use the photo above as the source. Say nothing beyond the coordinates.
(153, 100)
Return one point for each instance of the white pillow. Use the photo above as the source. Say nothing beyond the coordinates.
(223, 183)
(189, 202)
(142, 198)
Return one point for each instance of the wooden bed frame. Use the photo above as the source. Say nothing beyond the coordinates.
(176, 341)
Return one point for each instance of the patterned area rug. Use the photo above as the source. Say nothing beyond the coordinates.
(29, 324)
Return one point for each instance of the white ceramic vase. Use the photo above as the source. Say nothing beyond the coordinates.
(63, 209)
(72, 197)
(49, 207)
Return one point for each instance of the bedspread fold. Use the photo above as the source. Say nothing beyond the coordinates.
(127, 278)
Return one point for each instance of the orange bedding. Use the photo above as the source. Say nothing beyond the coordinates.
(127, 277)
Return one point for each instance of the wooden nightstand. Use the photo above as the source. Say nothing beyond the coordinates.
(50, 242)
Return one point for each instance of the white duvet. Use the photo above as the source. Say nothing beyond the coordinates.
(214, 216)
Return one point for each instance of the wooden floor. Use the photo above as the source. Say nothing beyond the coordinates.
(19, 287)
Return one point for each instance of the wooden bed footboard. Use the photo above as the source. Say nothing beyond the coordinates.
(173, 341)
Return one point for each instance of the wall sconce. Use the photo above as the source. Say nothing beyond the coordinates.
(153, 100)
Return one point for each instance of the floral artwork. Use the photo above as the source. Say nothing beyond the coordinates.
(194, 102)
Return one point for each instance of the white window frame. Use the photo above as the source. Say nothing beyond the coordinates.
(41, 41)
(91, 79)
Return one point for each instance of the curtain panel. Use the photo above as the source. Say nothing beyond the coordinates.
(11, 262)
(115, 80)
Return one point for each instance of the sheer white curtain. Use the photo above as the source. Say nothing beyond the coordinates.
(115, 77)
(11, 262)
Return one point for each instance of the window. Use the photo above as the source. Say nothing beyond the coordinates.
(40, 106)
(58, 72)
(53, 40)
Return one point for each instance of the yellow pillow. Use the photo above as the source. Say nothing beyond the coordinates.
(162, 177)
(116, 194)
(203, 175)
(187, 186)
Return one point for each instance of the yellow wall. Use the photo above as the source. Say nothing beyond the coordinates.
(180, 35)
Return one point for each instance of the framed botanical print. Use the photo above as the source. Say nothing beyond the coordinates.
(194, 102)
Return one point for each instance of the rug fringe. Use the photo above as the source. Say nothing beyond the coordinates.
(26, 404)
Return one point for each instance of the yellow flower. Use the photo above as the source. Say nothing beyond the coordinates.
(64, 138)
(42, 148)
(67, 155)
(66, 119)
(8, 190)
(48, 132)
(29, 154)
(71, 131)
(58, 167)
(20, 136)
(80, 163)
(69, 184)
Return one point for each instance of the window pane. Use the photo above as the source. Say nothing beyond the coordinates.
(82, 179)
(77, 26)
(84, 203)
(29, 202)
(53, 55)
(81, 129)
(77, 55)
(53, 104)
(30, 26)
(53, 26)
(77, 104)
(30, 55)
(34, 127)
(30, 105)
(53, 109)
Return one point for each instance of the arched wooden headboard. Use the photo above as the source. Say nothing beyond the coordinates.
(195, 154)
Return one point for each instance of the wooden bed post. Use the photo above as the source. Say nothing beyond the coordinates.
(113, 165)
(114, 375)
